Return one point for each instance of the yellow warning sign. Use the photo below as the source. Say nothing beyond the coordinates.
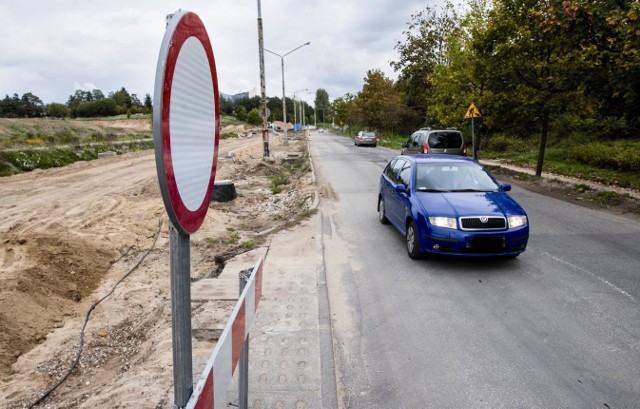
(472, 112)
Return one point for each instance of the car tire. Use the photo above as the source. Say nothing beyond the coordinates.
(382, 214)
(411, 238)
(375, 144)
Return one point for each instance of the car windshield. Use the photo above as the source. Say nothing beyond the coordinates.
(453, 177)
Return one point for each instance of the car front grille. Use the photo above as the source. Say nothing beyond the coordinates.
(483, 223)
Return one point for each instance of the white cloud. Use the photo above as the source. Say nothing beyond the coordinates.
(51, 48)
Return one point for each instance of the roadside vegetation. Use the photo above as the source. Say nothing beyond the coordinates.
(41, 143)
(557, 84)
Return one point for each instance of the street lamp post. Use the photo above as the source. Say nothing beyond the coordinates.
(295, 108)
(284, 98)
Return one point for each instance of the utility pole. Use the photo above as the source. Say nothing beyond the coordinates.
(263, 90)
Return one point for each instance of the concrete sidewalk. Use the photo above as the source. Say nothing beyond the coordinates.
(290, 343)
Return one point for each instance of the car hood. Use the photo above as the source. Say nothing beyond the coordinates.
(456, 204)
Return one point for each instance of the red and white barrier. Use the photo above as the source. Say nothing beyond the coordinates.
(210, 390)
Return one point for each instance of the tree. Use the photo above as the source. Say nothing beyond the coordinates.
(253, 117)
(532, 66)
(57, 110)
(10, 107)
(322, 102)
(122, 98)
(101, 107)
(82, 96)
(378, 103)
(464, 74)
(607, 35)
(97, 94)
(241, 113)
(32, 106)
(148, 103)
(425, 47)
(342, 108)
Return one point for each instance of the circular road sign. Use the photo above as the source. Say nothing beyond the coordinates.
(186, 117)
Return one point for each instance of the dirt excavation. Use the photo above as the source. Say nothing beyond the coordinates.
(69, 235)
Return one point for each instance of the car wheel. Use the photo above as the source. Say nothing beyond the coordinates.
(382, 215)
(375, 144)
(411, 236)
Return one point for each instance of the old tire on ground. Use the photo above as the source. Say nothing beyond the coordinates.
(223, 191)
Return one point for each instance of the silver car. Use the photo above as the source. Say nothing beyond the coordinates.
(442, 141)
(366, 138)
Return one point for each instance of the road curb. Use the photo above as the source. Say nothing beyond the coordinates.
(325, 329)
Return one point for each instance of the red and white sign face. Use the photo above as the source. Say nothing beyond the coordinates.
(185, 121)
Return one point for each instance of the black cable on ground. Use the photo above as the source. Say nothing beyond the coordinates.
(88, 315)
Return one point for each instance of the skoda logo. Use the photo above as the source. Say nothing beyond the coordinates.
(484, 219)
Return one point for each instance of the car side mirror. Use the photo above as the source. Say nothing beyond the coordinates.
(505, 187)
(400, 188)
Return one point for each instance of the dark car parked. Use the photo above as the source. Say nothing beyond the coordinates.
(451, 205)
(441, 141)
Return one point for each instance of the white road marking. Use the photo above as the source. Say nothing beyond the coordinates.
(602, 280)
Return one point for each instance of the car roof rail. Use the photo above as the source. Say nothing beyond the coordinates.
(453, 128)
(428, 128)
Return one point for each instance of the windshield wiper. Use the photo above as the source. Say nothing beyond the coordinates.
(472, 190)
(426, 189)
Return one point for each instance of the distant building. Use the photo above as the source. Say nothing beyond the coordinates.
(248, 94)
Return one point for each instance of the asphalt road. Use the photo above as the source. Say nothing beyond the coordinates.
(558, 327)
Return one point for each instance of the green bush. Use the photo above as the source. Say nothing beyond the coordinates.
(276, 183)
(623, 157)
(503, 143)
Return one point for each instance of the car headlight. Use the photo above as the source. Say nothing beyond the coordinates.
(517, 221)
(448, 222)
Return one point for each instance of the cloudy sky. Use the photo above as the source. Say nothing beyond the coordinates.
(53, 47)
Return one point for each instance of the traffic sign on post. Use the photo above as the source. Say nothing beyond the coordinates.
(473, 112)
(186, 115)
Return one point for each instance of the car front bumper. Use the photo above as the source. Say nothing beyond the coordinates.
(476, 243)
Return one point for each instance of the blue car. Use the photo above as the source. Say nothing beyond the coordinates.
(450, 205)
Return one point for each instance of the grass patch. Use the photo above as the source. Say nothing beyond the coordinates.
(41, 143)
(581, 188)
(248, 244)
(277, 181)
(572, 159)
(607, 199)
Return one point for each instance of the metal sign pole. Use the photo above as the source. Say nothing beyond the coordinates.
(179, 260)
(473, 139)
